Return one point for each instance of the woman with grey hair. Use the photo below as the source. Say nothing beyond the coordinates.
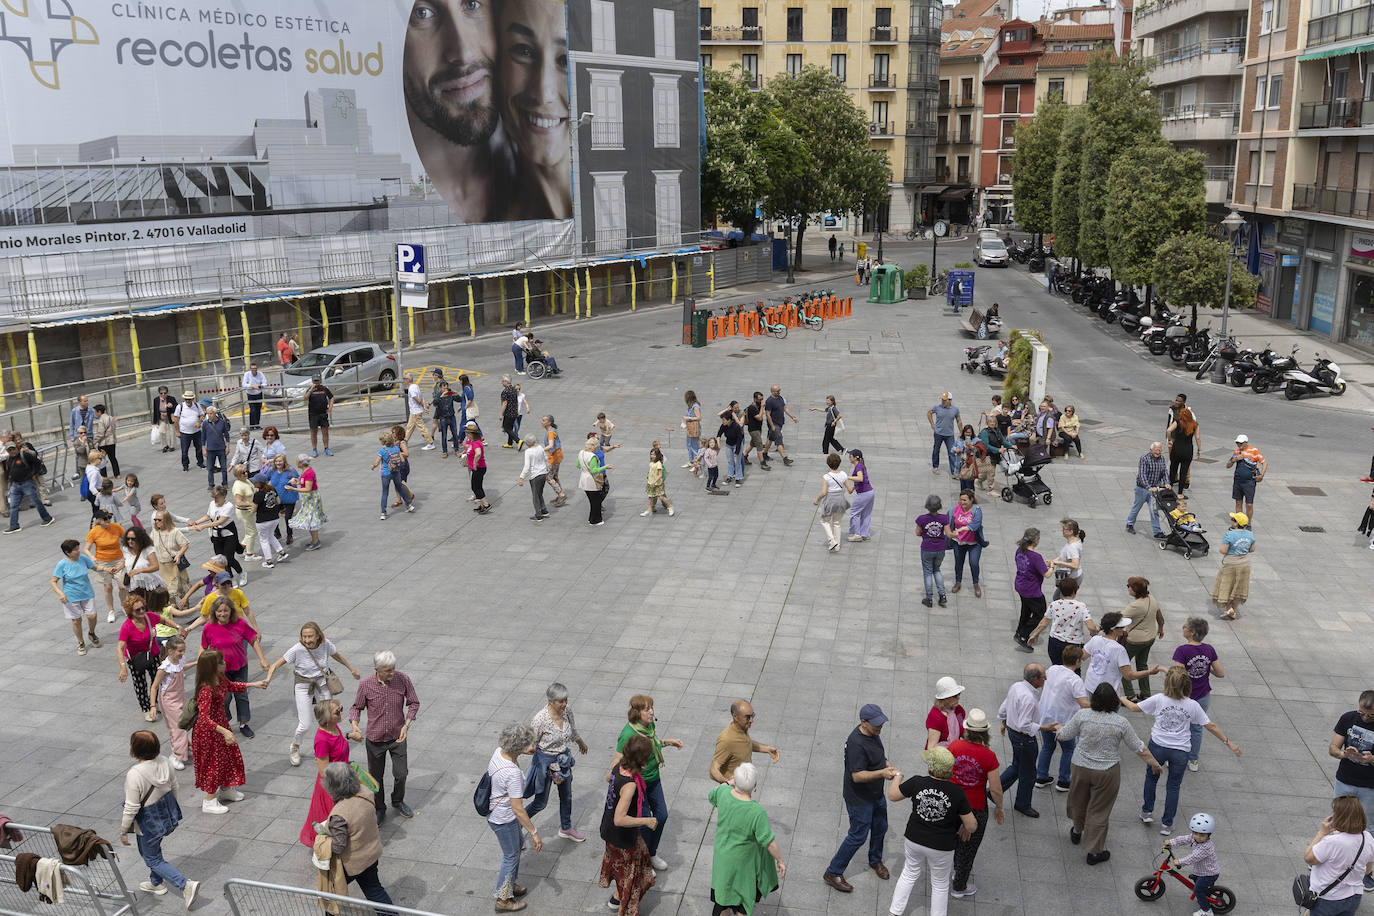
(741, 874)
(536, 471)
(353, 830)
(508, 812)
(555, 731)
(331, 746)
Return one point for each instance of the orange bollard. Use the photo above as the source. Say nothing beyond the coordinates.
(828, 307)
(745, 325)
(835, 307)
(733, 326)
(721, 325)
(710, 329)
(848, 306)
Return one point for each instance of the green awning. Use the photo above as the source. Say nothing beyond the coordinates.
(1338, 51)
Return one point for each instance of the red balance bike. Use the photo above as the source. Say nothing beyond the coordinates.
(1152, 887)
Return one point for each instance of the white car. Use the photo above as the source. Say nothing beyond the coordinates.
(990, 252)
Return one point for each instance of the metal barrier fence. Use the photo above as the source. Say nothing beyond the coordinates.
(96, 887)
(254, 898)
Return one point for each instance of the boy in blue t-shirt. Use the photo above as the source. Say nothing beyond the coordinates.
(72, 583)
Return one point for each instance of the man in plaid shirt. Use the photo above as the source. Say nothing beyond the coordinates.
(1151, 475)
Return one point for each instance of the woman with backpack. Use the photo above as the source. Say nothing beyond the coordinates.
(505, 811)
(389, 459)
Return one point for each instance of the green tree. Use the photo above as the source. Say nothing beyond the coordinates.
(1064, 215)
(1033, 170)
(734, 171)
(818, 158)
(1122, 113)
(1154, 193)
(1190, 270)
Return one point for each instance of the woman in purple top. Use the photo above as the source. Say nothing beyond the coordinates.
(1201, 661)
(1031, 573)
(861, 509)
(933, 527)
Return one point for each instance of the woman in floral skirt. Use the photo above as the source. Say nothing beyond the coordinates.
(331, 746)
(309, 507)
(626, 861)
(215, 750)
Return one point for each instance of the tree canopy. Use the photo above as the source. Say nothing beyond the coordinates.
(1154, 193)
(1064, 215)
(1122, 112)
(1037, 155)
(734, 171)
(1190, 270)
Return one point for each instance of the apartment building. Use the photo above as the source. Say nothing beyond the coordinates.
(1305, 164)
(1197, 48)
(886, 52)
(1008, 100)
(959, 121)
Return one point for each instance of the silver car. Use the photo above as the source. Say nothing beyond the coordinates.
(989, 252)
(345, 369)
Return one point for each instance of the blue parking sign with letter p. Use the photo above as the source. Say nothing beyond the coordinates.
(410, 259)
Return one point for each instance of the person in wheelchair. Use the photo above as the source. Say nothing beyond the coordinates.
(536, 350)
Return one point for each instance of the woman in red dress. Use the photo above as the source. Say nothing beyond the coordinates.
(331, 746)
(218, 761)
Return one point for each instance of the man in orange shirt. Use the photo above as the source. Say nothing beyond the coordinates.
(102, 546)
(1250, 470)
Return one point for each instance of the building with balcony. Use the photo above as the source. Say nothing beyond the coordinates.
(1008, 99)
(886, 54)
(1197, 48)
(959, 123)
(1305, 164)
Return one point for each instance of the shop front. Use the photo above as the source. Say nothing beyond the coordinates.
(1359, 311)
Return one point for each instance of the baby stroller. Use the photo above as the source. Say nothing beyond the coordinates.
(1023, 475)
(1185, 532)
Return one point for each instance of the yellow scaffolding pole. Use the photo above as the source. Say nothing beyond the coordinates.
(649, 268)
(248, 336)
(633, 287)
(410, 315)
(526, 278)
(14, 364)
(674, 286)
(472, 312)
(566, 287)
(448, 309)
(324, 321)
(133, 347)
(223, 340)
(33, 370)
(393, 312)
(501, 291)
(109, 336)
(589, 292)
(713, 276)
(300, 331)
(608, 287)
(577, 296)
(200, 335)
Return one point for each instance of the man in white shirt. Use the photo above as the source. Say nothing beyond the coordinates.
(254, 384)
(188, 417)
(1061, 697)
(1020, 715)
(415, 403)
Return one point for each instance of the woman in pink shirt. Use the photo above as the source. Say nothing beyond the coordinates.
(228, 633)
(475, 455)
(309, 515)
(945, 721)
(138, 649)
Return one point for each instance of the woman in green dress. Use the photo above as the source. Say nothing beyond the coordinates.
(642, 722)
(741, 875)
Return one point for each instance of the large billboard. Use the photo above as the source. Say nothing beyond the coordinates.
(189, 120)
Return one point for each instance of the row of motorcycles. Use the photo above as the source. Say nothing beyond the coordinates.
(1162, 330)
(1027, 252)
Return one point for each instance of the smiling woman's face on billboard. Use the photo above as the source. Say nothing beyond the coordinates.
(534, 80)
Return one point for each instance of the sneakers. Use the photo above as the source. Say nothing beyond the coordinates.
(671, 511)
(613, 904)
(283, 555)
(966, 892)
(943, 601)
(295, 755)
(1166, 829)
(212, 806)
(81, 648)
(268, 564)
(230, 795)
(1130, 529)
(177, 764)
(1044, 783)
(50, 520)
(427, 448)
(329, 452)
(150, 887)
(787, 461)
(314, 453)
(646, 513)
(927, 602)
(188, 893)
(1146, 818)
(855, 537)
(315, 546)
(109, 618)
(1061, 787)
(1192, 766)
(243, 580)
(247, 733)
(572, 834)
(658, 863)
(411, 508)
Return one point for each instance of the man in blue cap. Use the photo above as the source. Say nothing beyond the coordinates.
(865, 768)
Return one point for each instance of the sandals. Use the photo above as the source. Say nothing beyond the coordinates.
(1229, 615)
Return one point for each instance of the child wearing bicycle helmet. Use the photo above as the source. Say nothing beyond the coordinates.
(1202, 861)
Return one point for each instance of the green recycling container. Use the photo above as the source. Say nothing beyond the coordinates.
(699, 319)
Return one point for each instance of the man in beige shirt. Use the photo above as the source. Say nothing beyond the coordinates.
(734, 746)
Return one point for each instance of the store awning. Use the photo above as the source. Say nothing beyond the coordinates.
(1338, 51)
(957, 194)
(933, 188)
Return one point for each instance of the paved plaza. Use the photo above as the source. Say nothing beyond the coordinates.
(736, 596)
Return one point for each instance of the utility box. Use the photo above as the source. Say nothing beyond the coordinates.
(699, 319)
(886, 285)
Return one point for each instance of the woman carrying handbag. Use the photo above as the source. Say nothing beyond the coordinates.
(1341, 855)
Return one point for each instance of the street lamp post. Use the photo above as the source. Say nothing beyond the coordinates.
(1232, 223)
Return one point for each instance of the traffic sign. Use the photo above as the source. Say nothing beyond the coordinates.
(410, 276)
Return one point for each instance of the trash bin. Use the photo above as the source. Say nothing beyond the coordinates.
(886, 285)
(862, 251)
(699, 319)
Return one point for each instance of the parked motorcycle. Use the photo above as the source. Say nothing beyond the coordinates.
(1246, 364)
(1271, 373)
(1324, 376)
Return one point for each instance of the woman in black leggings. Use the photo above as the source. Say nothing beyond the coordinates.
(224, 534)
(832, 420)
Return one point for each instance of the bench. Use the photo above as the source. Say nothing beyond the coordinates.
(973, 322)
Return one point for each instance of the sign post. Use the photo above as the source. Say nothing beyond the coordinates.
(410, 289)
